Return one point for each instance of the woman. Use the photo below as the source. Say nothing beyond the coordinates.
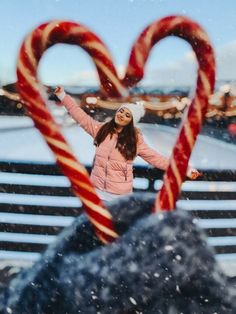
(117, 143)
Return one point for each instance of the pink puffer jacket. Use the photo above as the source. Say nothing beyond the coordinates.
(111, 171)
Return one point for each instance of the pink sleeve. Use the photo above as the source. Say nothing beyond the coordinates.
(150, 155)
(90, 125)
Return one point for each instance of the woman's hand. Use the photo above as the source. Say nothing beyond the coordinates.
(193, 174)
(59, 92)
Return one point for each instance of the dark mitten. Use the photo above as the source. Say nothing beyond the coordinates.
(161, 264)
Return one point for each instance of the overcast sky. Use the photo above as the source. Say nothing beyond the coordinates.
(118, 23)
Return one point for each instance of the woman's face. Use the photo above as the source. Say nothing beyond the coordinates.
(123, 117)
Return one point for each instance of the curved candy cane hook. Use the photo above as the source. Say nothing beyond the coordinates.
(31, 51)
(190, 31)
(49, 34)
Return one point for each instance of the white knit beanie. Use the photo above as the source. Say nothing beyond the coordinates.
(137, 110)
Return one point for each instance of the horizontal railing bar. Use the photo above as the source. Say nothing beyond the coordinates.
(217, 223)
(42, 220)
(40, 200)
(26, 238)
(62, 181)
(55, 229)
(226, 257)
(40, 247)
(76, 211)
(47, 239)
(219, 241)
(209, 186)
(33, 179)
(206, 204)
(13, 255)
(33, 256)
(63, 191)
(204, 186)
(70, 201)
(66, 220)
(66, 191)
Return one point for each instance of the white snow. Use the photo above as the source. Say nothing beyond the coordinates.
(208, 153)
(27, 144)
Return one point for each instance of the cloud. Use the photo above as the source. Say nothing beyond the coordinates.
(183, 71)
(86, 77)
(179, 73)
(226, 62)
(90, 77)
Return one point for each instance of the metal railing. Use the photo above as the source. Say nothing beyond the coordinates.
(36, 203)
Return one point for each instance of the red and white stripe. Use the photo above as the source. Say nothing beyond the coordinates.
(55, 32)
(31, 51)
(190, 31)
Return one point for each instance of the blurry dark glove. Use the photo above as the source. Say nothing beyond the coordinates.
(57, 95)
(161, 263)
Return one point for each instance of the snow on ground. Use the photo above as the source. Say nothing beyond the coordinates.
(22, 142)
(208, 153)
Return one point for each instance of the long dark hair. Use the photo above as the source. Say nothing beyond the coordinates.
(127, 138)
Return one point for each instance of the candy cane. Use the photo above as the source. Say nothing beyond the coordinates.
(31, 51)
(190, 31)
(66, 32)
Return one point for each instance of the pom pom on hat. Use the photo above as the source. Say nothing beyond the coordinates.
(137, 110)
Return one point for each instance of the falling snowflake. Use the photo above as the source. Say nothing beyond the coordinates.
(132, 300)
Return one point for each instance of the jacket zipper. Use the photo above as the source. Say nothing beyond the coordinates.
(126, 171)
(105, 181)
(108, 158)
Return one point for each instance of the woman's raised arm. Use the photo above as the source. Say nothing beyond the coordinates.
(159, 161)
(90, 125)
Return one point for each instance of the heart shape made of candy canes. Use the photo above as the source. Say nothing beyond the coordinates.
(54, 32)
